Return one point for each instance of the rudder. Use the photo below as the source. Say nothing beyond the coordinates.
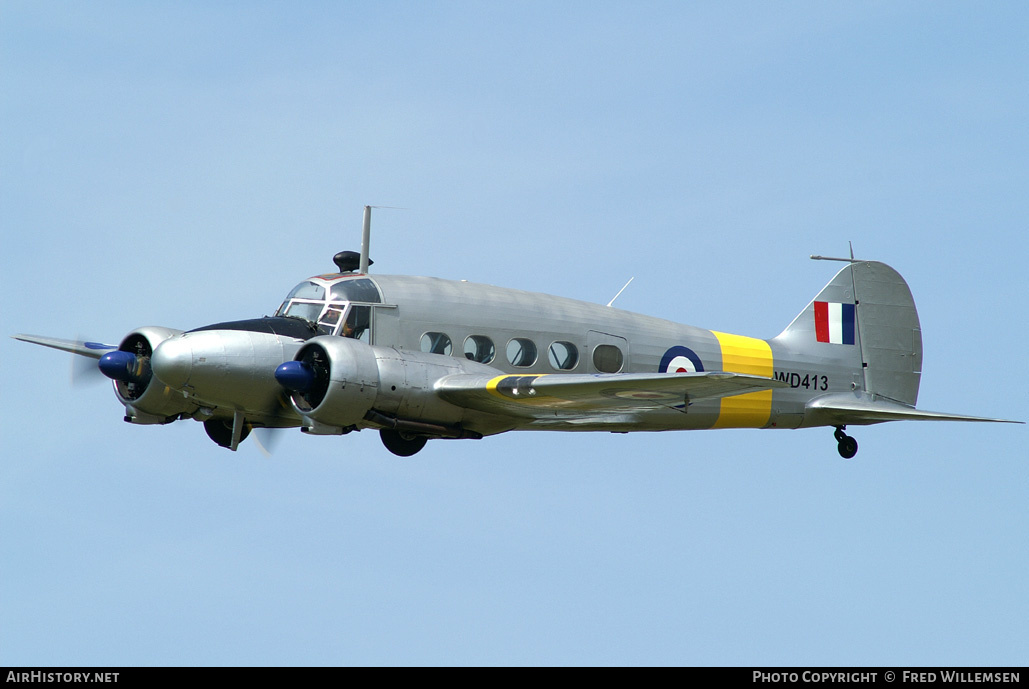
(890, 334)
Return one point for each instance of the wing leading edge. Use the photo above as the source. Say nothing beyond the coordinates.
(536, 396)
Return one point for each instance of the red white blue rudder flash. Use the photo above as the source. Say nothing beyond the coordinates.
(834, 322)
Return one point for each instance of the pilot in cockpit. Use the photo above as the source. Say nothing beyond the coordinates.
(357, 322)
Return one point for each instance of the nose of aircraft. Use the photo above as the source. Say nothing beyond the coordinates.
(224, 367)
(172, 362)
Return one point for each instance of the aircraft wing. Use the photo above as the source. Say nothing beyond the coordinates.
(547, 395)
(844, 409)
(94, 350)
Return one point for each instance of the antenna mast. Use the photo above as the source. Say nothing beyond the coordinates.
(621, 290)
(365, 238)
(815, 257)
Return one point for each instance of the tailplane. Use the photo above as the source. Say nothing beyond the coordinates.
(840, 410)
(864, 325)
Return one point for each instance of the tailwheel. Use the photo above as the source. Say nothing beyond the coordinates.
(847, 446)
(839, 434)
(402, 444)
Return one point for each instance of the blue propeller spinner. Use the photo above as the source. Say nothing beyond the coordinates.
(119, 365)
(295, 375)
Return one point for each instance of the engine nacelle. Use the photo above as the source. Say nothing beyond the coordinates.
(344, 382)
(338, 383)
(146, 399)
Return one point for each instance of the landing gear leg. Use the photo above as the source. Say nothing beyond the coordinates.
(220, 431)
(847, 446)
(402, 444)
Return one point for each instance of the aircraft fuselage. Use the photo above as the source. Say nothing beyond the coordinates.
(420, 358)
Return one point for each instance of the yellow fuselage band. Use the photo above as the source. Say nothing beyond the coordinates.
(745, 355)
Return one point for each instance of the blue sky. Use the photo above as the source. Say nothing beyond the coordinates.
(181, 164)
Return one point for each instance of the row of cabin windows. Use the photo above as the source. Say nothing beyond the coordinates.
(521, 352)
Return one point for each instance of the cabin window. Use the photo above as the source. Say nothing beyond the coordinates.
(521, 352)
(479, 348)
(436, 343)
(607, 358)
(563, 356)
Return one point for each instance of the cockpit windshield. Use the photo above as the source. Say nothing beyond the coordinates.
(328, 306)
(306, 310)
(308, 290)
(305, 290)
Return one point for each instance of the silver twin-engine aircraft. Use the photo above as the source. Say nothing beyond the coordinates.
(420, 358)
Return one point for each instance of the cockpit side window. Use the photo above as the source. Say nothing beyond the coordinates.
(358, 322)
(330, 319)
(332, 315)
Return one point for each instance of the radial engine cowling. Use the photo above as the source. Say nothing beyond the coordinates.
(145, 398)
(333, 382)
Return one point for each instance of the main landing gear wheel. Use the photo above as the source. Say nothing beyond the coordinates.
(220, 431)
(401, 444)
(847, 446)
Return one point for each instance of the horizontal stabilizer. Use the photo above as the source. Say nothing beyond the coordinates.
(94, 350)
(851, 409)
(574, 395)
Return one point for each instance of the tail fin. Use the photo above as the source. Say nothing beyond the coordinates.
(864, 321)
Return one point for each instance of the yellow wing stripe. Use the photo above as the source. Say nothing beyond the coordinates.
(745, 355)
(491, 386)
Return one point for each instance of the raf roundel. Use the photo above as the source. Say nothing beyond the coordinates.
(680, 360)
